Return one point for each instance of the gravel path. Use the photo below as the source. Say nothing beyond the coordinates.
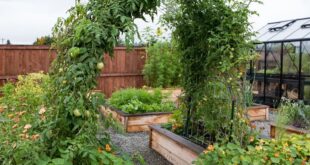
(137, 144)
(264, 126)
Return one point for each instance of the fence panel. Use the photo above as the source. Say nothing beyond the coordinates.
(122, 71)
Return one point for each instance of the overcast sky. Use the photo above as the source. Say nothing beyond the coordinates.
(22, 21)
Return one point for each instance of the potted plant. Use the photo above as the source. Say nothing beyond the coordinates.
(293, 117)
(136, 109)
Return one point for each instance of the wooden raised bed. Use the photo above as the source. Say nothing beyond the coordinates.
(136, 122)
(258, 112)
(287, 129)
(173, 147)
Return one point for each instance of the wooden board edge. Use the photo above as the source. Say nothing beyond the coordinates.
(180, 140)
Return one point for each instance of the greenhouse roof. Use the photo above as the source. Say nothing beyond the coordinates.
(289, 30)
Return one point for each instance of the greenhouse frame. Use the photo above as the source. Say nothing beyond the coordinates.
(283, 66)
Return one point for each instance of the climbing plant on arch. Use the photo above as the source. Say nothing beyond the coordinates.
(68, 136)
(81, 41)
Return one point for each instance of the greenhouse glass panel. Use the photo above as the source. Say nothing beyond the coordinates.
(289, 32)
(273, 63)
(273, 68)
(264, 33)
(291, 55)
(305, 71)
(259, 64)
(290, 75)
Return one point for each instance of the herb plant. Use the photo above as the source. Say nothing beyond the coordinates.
(135, 101)
(294, 113)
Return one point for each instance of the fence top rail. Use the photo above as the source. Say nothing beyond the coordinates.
(34, 47)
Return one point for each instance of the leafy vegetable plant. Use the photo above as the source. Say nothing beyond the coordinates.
(135, 101)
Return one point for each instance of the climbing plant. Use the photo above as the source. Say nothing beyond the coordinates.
(81, 41)
(214, 39)
(69, 135)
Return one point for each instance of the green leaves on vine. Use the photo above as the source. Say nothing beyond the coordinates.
(214, 38)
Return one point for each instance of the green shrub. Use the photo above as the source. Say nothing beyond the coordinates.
(23, 107)
(162, 68)
(140, 101)
(293, 149)
(294, 113)
(27, 94)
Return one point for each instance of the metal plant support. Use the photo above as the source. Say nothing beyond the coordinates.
(195, 130)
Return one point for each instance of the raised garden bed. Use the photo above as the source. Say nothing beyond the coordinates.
(136, 122)
(287, 129)
(258, 112)
(173, 147)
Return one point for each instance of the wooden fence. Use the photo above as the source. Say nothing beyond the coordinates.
(124, 70)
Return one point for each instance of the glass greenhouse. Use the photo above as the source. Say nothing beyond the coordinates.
(283, 67)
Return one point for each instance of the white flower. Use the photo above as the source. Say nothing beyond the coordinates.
(42, 111)
(27, 126)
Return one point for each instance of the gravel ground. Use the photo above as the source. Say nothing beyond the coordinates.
(264, 126)
(137, 144)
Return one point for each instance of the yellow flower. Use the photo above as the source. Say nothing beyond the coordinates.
(210, 148)
(291, 159)
(258, 148)
(99, 149)
(159, 32)
(10, 115)
(276, 154)
(15, 126)
(35, 137)
(251, 139)
(206, 151)
(108, 148)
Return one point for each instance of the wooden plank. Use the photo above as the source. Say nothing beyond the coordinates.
(172, 158)
(176, 138)
(171, 150)
(146, 120)
(137, 128)
(287, 129)
(258, 112)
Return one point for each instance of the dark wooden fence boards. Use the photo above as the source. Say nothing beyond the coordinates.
(122, 71)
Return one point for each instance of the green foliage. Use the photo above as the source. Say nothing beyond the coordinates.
(214, 40)
(68, 136)
(176, 122)
(294, 149)
(294, 113)
(44, 40)
(248, 94)
(27, 94)
(162, 68)
(23, 105)
(135, 101)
